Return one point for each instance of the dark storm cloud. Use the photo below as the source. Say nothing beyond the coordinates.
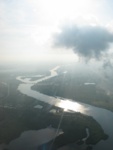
(86, 41)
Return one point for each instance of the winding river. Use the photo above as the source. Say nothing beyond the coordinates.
(103, 116)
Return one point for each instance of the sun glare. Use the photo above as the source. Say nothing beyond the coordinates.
(69, 105)
(63, 9)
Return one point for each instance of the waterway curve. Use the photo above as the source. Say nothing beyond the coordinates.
(102, 116)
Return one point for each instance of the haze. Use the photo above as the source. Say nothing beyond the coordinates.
(28, 29)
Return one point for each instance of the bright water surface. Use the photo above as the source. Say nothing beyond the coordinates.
(103, 116)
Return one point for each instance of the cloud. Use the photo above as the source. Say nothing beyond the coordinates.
(86, 41)
(107, 64)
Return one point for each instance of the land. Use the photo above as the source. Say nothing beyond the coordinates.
(14, 121)
(17, 114)
(76, 86)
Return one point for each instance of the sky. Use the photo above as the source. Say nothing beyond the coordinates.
(38, 30)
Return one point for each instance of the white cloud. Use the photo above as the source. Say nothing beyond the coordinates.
(26, 26)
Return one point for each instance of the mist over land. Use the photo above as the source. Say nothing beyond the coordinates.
(56, 73)
(20, 108)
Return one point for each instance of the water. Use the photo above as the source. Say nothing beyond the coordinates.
(103, 116)
(30, 140)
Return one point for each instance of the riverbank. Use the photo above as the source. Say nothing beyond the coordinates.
(15, 121)
(36, 98)
(20, 115)
(61, 86)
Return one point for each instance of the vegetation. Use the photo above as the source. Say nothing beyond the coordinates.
(14, 121)
(74, 126)
(69, 86)
(17, 112)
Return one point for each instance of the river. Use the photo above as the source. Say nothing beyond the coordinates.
(103, 116)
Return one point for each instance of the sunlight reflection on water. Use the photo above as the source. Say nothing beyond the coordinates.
(69, 105)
